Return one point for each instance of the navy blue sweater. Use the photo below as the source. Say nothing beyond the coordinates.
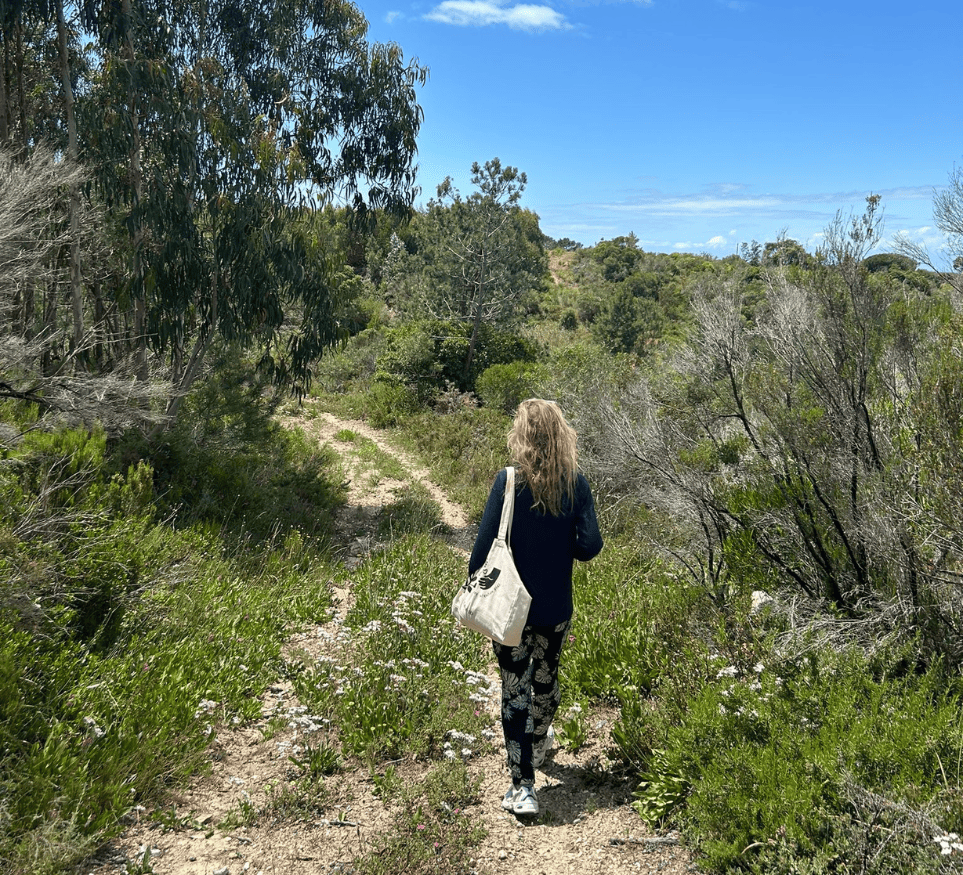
(544, 546)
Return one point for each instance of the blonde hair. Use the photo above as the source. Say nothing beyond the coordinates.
(542, 445)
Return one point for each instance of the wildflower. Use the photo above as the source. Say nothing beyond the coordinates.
(94, 729)
(948, 843)
(421, 826)
(730, 671)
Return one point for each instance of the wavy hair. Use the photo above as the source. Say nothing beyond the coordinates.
(542, 445)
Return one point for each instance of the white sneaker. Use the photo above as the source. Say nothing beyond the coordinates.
(508, 801)
(526, 802)
(542, 748)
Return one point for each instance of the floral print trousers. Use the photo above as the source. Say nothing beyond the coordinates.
(530, 693)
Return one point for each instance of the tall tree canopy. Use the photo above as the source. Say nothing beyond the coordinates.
(481, 254)
(209, 128)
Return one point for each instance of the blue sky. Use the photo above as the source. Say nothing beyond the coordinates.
(695, 124)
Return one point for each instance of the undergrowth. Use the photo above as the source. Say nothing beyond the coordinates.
(127, 633)
(138, 610)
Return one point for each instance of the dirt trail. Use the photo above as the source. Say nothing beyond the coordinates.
(588, 826)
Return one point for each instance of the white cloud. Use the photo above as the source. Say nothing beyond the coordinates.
(481, 13)
(392, 16)
(695, 205)
(717, 242)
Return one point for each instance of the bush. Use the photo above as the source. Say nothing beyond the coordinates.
(772, 761)
(463, 449)
(227, 462)
(427, 355)
(504, 387)
(387, 402)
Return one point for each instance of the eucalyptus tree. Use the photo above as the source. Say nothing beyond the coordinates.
(211, 128)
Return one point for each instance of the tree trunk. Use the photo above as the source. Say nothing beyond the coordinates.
(479, 312)
(50, 325)
(4, 97)
(20, 93)
(137, 185)
(76, 290)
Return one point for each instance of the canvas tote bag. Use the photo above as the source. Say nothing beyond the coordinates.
(494, 600)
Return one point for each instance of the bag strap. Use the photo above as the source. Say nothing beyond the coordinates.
(508, 505)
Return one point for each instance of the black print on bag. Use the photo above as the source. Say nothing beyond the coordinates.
(486, 582)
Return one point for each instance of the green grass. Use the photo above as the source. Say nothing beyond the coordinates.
(405, 684)
(124, 638)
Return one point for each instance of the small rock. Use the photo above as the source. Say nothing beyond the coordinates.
(502, 855)
(224, 871)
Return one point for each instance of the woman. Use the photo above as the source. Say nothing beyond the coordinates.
(554, 523)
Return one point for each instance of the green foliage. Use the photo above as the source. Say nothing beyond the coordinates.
(504, 387)
(634, 625)
(628, 321)
(432, 833)
(227, 462)
(351, 365)
(427, 355)
(120, 637)
(387, 402)
(319, 761)
(222, 176)
(776, 758)
(464, 450)
(889, 262)
(406, 686)
(569, 319)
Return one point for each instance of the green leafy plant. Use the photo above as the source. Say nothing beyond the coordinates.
(574, 730)
(318, 761)
(432, 832)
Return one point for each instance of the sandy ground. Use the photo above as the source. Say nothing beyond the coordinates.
(586, 826)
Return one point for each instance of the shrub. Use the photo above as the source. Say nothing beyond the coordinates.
(504, 387)
(463, 449)
(427, 355)
(772, 761)
(386, 402)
